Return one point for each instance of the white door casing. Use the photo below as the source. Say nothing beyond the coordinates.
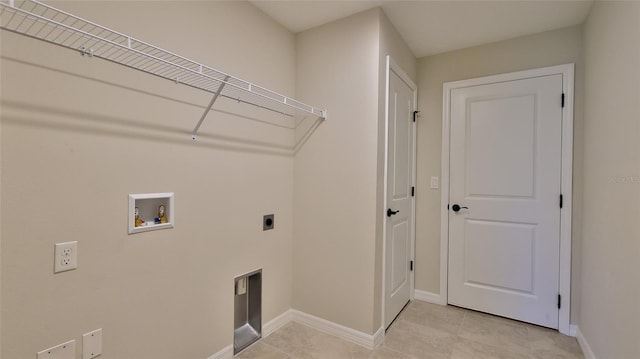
(507, 149)
(399, 228)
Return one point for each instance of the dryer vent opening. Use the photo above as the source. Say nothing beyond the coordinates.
(247, 310)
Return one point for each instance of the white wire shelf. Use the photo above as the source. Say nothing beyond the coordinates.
(43, 22)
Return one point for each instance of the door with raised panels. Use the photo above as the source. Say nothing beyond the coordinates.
(504, 193)
(399, 212)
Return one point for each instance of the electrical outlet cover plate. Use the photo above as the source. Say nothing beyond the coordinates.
(62, 351)
(92, 344)
(434, 182)
(66, 256)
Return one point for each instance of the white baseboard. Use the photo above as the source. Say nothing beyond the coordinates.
(277, 323)
(346, 333)
(584, 345)
(225, 353)
(270, 327)
(573, 330)
(378, 336)
(429, 297)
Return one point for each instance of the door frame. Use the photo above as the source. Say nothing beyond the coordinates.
(393, 66)
(567, 72)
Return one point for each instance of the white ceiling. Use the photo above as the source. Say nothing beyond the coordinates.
(432, 27)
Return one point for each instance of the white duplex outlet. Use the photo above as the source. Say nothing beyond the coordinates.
(66, 256)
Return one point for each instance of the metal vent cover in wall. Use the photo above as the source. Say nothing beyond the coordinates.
(247, 310)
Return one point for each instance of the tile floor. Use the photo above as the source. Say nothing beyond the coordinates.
(426, 331)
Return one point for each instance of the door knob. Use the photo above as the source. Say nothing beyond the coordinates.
(456, 208)
(390, 212)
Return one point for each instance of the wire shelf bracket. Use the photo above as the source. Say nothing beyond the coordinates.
(194, 134)
(34, 19)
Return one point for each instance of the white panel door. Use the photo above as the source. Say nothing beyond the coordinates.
(399, 211)
(505, 168)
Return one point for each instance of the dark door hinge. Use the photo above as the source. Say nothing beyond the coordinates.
(447, 207)
(561, 200)
(563, 99)
(559, 301)
(413, 191)
(411, 266)
(415, 114)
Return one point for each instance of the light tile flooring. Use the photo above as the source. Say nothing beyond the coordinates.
(426, 331)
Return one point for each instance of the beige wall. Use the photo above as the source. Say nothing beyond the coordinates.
(0, 205)
(540, 50)
(335, 173)
(339, 170)
(610, 312)
(391, 43)
(80, 134)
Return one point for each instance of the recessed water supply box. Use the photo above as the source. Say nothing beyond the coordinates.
(150, 211)
(247, 310)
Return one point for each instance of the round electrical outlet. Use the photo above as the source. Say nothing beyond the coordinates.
(268, 222)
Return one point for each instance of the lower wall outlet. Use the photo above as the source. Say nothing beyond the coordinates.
(92, 344)
(63, 351)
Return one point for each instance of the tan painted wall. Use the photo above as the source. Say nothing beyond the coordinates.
(80, 134)
(610, 311)
(339, 171)
(335, 173)
(0, 205)
(391, 43)
(540, 50)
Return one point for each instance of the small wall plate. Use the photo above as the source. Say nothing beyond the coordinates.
(92, 344)
(62, 351)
